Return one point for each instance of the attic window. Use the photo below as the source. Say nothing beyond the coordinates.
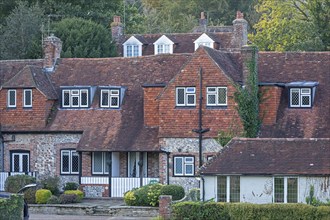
(301, 94)
(163, 48)
(11, 98)
(185, 96)
(216, 96)
(75, 98)
(204, 40)
(132, 50)
(110, 98)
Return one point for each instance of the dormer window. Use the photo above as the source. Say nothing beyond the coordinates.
(204, 40)
(132, 47)
(301, 94)
(11, 98)
(110, 98)
(163, 45)
(75, 98)
(185, 96)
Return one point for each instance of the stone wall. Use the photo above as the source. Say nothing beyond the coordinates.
(184, 146)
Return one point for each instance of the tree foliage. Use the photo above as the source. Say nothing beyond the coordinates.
(83, 38)
(21, 33)
(292, 25)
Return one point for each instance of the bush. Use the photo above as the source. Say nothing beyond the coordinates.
(216, 210)
(154, 193)
(15, 183)
(53, 200)
(79, 194)
(68, 198)
(71, 186)
(176, 191)
(194, 195)
(30, 195)
(42, 196)
(129, 198)
(147, 195)
(12, 208)
(141, 195)
(51, 183)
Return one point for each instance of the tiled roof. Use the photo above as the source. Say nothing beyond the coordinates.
(291, 67)
(32, 77)
(114, 130)
(272, 156)
(184, 42)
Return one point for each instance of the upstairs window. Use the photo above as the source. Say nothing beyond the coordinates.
(216, 96)
(20, 162)
(132, 50)
(110, 98)
(185, 96)
(11, 98)
(27, 98)
(163, 48)
(204, 40)
(69, 162)
(300, 97)
(163, 45)
(184, 166)
(75, 98)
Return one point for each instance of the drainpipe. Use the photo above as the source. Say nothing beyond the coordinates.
(80, 166)
(2, 145)
(203, 189)
(168, 168)
(110, 173)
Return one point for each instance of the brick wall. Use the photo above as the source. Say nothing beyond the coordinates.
(179, 121)
(269, 106)
(151, 105)
(25, 118)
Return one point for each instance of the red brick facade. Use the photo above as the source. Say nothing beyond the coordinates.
(20, 118)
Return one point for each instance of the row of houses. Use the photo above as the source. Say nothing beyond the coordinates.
(112, 124)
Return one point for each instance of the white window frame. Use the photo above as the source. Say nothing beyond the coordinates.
(187, 161)
(163, 48)
(187, 93)
(112, 93)
(9, 96)
(301, 94)
(216, 94)
(103, 161)
(134, 48)
(71, 153)
(21, 155)
(285, 188)
(24, 98)
(75, 93)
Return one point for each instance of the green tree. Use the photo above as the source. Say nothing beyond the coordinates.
(292, 25)
(21, 33)
(84, 38)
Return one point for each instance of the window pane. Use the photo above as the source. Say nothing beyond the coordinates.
(25, 163)
(12, 98)
(279, 190)
(15, 163)
(222, 188)
(178, 166)
(107, 161)
(222, 96)
(160, 48)
(305, 100)
(105, 98)
(129, 51)
(180, 96)
(136, 50)
(66, 98)
(97, 162)
(27, 97)
(84, 98)
(114, 101)
(189, 169)
(294, 97)
(75, 162)
(211, 99)
(75, 100)
(191, 99)
(292, 195)
(65, 161)
(166, 48)
(234, 189)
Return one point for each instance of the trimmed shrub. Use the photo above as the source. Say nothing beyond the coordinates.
(71, 186)
(42, 196)
(141, 195)
(16, 182)
(129, 198)
(246, 211)
(154, 193)
(176, 191)
(51, 183)
(53, 200)
(79, 194)
(12, 207)
(68, 198)
(147, 195)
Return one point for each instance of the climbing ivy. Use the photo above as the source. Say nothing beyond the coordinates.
(248, 97)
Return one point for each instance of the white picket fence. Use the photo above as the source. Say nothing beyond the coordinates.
(119, 185)
(4, 176)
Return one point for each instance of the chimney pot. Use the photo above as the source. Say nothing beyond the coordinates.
(239, 15)
(202, 15)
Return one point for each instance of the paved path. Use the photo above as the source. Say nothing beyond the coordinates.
(82, 217)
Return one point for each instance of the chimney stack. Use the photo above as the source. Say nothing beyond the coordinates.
(203, 22)
(116, 29)
(52, 47)
(240, 30)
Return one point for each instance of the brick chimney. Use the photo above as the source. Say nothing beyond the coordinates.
(248, 53)
(52, 47)
(240, 30)
(116, 29)
(203, 20)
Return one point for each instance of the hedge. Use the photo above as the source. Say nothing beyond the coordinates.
(12, 208)
(246, 211)
(79, 194)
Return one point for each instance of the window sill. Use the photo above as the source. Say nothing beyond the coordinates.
(185, 107)
(217, 107)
